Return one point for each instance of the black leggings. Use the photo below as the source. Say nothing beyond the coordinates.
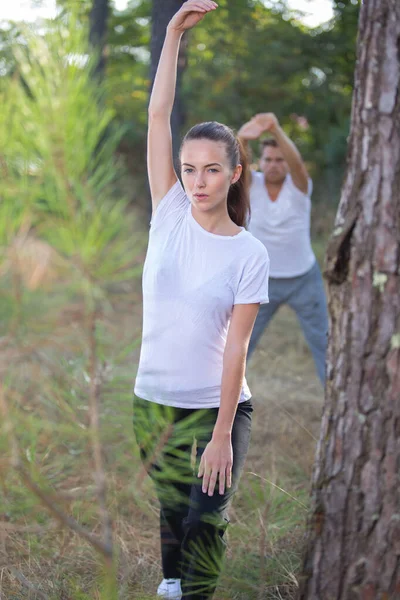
(192, 524)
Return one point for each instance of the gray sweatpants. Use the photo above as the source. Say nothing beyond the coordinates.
(305, 294)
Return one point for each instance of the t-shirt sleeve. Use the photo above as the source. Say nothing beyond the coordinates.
(253, 284)
(171, 207)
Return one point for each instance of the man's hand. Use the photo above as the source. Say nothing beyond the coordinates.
(216, 463)
(267, 122)
(258, 125)
(250, 130)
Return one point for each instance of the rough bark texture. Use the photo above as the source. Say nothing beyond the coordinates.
(162, 11)
(98, 32)
(353, 551)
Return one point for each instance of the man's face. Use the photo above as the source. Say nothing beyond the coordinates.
(273, 165)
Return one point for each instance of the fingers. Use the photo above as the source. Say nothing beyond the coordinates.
(201, 5)
(210, 477)
(225, 479)
(229, 476)
(206, 480)
(209, 482)
(221, 482)
(208, 4)
(201, 467)
(195, 6)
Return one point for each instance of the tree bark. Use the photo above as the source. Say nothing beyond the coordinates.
(353, 549)
(98, 32)
(162, 11)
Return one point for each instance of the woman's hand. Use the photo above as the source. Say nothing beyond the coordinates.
(216, 463)
(191, 13)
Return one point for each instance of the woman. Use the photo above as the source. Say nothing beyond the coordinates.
(204, 279)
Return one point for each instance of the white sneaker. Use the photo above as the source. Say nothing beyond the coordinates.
(170, 588)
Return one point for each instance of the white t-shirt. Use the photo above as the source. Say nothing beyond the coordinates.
(282, 226)
(191, 280)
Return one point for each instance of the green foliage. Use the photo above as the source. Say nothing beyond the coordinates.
(248, 56)
(245, 58)
(238, 75)
(128, 64)
(68, 263)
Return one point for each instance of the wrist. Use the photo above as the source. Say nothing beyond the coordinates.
(222, 433)
(276, 130)
(173, 32)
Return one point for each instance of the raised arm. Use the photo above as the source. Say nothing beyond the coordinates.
(269, 122)
(160, 163)
(250, 131)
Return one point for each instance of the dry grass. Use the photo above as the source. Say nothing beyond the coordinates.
(265, 542)
(41, 559)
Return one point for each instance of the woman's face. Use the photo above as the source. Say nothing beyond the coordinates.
(207, 173)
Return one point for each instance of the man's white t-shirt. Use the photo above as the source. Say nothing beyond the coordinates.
(192, 278)
(283, 226)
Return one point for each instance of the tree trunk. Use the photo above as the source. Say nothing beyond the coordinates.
(162, 11)
(353, 550)
(98, 32)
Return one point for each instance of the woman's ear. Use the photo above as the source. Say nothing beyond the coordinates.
(236, 174)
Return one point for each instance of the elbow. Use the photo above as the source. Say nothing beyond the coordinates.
(236, 352)
(155, 113)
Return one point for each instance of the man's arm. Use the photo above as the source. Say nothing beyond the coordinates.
(298, 171)
(249, 131)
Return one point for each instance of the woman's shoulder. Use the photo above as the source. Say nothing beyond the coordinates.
(254, 249)
(171, 206)
(176, 193)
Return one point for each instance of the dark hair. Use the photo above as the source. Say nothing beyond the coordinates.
(238, 195)
(268, 143)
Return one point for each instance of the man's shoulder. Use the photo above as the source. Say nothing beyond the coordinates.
(295, 189)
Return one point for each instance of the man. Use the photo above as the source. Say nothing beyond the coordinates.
(280, 219)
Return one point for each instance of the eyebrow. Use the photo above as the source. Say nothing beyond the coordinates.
(205, 166)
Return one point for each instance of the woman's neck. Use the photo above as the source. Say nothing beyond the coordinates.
(216, 221)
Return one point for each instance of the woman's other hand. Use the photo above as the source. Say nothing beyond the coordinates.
(191, 13)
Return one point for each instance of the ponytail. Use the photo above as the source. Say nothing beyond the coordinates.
(238, 195)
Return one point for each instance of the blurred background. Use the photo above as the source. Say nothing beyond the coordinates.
(78, 519)
(294, 58)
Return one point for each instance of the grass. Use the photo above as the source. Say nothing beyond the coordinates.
(265, 540)
(48, 410)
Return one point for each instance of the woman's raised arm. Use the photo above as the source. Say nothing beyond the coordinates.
(160, 163)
